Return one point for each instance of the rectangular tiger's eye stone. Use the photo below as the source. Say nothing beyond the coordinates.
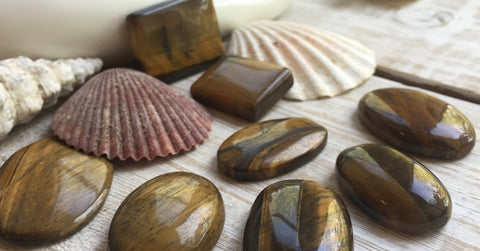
(242, 87)
(173, 35)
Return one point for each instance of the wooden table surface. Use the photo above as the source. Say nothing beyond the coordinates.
(424, 41)
(432, 43)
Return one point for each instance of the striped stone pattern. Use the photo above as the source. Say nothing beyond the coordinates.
(395, 190)
(174, 211)
(298, 215)
(271, 148)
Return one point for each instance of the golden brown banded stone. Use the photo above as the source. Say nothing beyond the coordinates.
(271, 148)
(394, 189)
(416, 122)
(174, 211)
(298, 215)
(49, 191)
(242, 87)
(172, 35)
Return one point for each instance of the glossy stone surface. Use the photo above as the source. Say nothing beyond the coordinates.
(298, 215)
(394, 189)
(270, 148)
(174, 211)
(416, 122)
(173, 35)
(48, 191)
(242, 87)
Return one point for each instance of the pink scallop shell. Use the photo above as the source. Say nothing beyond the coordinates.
(128, 114)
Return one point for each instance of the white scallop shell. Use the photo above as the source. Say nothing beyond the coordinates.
(323, 64)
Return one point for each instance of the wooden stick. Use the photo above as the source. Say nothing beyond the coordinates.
(428, 84)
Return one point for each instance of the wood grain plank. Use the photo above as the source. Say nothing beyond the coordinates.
(435, 41)
(338, 115)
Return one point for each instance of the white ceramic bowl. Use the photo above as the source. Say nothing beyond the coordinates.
(55, 29)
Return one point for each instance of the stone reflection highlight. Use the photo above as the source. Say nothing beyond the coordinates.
(242, 87)
(271, 148)
(394, 189)
(48, 191)
(173, 35)
(174, 211)
(417, 123)
(298, 215)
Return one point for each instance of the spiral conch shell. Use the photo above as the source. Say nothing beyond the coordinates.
(26, 86)
(323, 64)
(124, 113)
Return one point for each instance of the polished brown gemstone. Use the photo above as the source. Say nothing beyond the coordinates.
(416, 122)
(298, 215)
(49, 191)
(172, 35)
(394, 189)
(174, 211)
(242, 87)
(271, 148)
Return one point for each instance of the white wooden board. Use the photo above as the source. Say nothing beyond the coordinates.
(434, 43)
(338, 115)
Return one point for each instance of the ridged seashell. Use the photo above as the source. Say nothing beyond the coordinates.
(128, 114)
(26, 85)
(323, 64)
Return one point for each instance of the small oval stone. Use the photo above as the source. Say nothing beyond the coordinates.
(394, 189)
(174, 211)
(271, 148)
(48, 191)
(416, 122)
(298, 215)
